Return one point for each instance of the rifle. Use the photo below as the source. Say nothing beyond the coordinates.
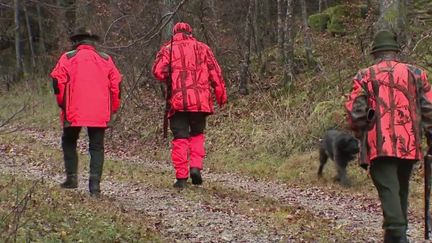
(427, 190)
(363, 161)
(168, 94)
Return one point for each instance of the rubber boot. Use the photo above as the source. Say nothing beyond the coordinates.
(196, 176)
(71, 182)
(70, 157)
(393, 236)
(180, 183)
(96, 167)
(94, 185)
(96, 149)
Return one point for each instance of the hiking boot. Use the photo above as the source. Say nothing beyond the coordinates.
(196, 176)
(70, 183)
(180, 183)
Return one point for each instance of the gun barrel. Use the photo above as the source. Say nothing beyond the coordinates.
(427, 191)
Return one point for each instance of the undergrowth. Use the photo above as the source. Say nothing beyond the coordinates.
(36, 211)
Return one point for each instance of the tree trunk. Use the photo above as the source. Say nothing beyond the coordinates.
(322, 5)
(244, 66)
(65, 22)
(167, 7)
(393, 16)
(212, 7)
(18, 51)
(30, 37)
(280, 38)
(256, 29)
(83, 14)
(268, 20)
(288, 76)
(41, 30)
(307, 36)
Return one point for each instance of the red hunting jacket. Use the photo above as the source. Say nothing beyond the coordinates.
(194, 72)
(401, 99)
(87, 86)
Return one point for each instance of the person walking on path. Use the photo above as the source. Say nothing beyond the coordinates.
(391, 103)
(86, 83)
(191, 72)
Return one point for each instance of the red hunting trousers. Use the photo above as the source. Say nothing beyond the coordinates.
(188, 144)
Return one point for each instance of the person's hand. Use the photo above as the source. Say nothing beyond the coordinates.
(113, 119)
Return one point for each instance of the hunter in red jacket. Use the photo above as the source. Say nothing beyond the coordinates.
(390, 104)
(86, 83)
(192, 72)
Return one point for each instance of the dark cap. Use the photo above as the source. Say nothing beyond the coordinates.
(83, 33)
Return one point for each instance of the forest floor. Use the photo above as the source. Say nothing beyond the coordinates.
(228, 207)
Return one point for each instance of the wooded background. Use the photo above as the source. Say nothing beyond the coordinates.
(297, 56)
(273, 35)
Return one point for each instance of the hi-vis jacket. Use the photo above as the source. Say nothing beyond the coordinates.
(400, 96)
(194, 71)
(87, 86)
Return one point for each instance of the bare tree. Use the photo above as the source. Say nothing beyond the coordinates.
(41, 29)
(257, 33)
(280, 37)
(288, 76)
(167, 9)
(18, 51)
(322, 5)
(244, 66)
(307, 37)
(30, 37)
(65, 21)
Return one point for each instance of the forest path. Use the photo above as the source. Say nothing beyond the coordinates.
(227, 208)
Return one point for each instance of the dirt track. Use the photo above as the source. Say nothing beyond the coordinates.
(210, 217)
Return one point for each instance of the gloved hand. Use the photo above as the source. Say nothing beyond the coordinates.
(221, 96)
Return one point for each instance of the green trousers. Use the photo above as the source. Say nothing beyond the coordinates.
(96, 149)
(391, 178)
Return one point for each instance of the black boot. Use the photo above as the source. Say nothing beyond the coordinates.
(96, 167)
(70, 156)
(96, 149)
(180, 183)
(196, 176)
(71, 182)
(390, 237)
(94, 185)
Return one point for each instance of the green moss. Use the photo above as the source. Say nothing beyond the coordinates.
(340, 14)
(336, 22)
(318, 22)
(336, 26)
